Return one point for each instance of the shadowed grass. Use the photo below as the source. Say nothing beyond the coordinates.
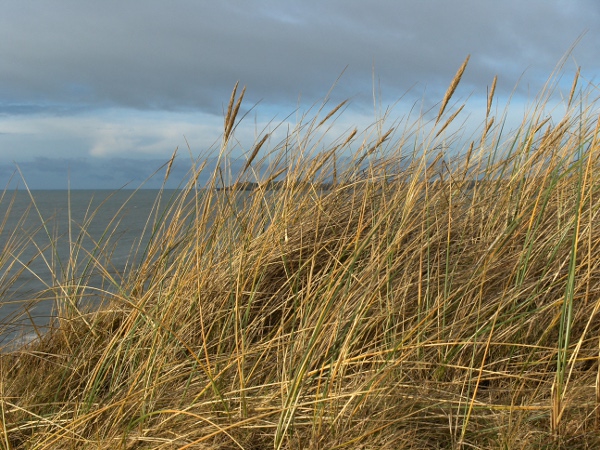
(400, 298)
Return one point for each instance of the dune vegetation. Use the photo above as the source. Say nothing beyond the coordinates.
(388, 293)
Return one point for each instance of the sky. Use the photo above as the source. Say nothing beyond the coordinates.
(98, 95)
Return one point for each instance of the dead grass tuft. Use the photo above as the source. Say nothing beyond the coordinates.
(400, 298)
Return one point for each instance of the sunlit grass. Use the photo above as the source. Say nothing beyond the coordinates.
(387, 294)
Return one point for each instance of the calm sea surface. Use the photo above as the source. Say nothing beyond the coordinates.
(35, 243)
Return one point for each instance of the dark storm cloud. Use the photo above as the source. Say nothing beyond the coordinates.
(188, 54)
(109, 89)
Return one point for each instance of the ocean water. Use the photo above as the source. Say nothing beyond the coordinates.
(39, 236)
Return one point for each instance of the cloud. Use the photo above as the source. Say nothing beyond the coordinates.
(118, 79)
(104, 134)
(188, 54)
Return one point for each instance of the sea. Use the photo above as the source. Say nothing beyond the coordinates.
(42, 231)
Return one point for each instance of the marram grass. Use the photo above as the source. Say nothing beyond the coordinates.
(400, 298)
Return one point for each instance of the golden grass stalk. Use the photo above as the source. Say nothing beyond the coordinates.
(491, 97)
(353, 299)
(453, 85)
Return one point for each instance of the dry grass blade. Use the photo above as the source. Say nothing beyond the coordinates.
(573, 87)
(236, 110)
(170, 165)
(390, 296)
(228, 113)
(449, 121)
(487, 128)
(254, 153)
(450, 91)
(350, 137)
(331, 113)
(232, 112)
(491, 97)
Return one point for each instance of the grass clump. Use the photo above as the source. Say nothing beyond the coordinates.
(402, 297)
